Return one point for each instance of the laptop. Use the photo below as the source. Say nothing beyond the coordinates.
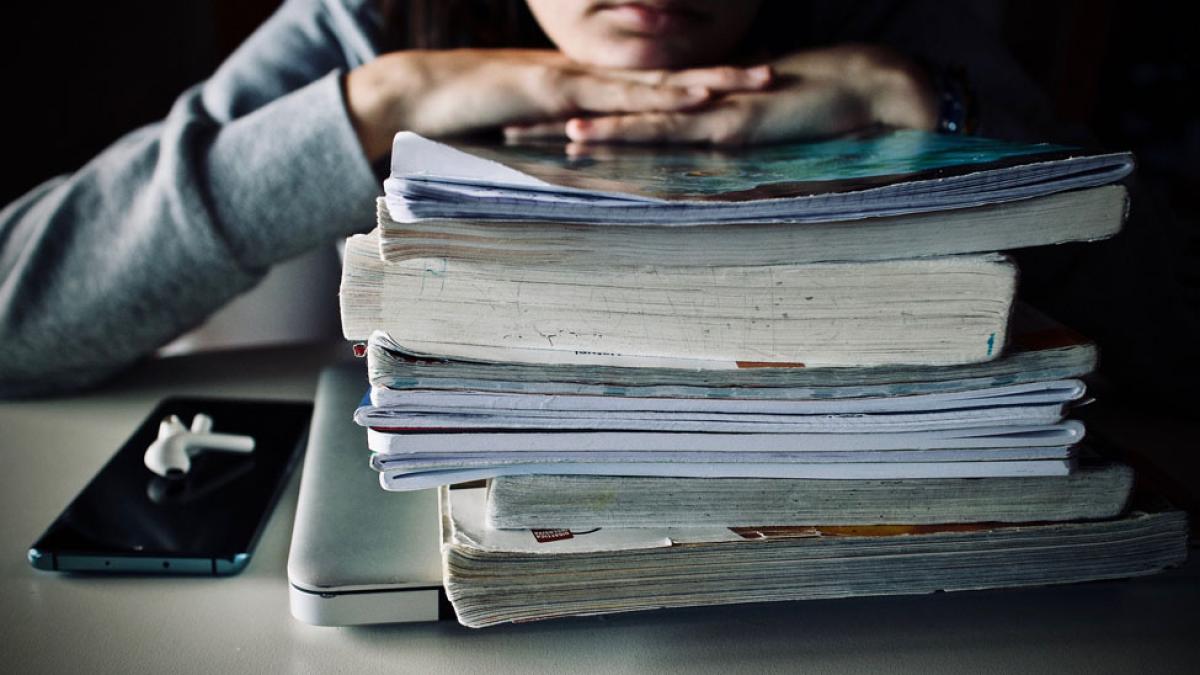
(359, 555)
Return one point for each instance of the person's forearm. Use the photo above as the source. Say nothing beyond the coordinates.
(525, 92)
(168, 224)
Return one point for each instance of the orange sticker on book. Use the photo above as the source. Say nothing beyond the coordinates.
(769, 364)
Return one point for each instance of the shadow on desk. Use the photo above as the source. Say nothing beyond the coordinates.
(278, 372)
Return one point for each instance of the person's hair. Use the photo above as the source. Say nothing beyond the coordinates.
(489, 24)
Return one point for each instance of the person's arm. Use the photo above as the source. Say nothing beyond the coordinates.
(254, 166)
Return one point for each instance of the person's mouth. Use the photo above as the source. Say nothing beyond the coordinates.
(650, 18)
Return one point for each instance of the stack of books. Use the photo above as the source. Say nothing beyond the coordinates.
(699, 378)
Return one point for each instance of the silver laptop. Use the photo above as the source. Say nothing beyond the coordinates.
(359, 555)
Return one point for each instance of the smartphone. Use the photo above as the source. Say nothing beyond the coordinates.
(205, 522)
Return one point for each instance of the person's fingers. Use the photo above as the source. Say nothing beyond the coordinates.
(537, 131)
(719, 126)
(723, 79)
(718, 78)
(600, 94)
(593, 151)
(814, 110)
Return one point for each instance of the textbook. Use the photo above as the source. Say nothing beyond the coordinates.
(1039, 350)
(930, 311)
(408, 459)
(1079, 215)
(385, 400)
(426, 450)
(792, 417)
(403, 474)
(845, 179)
(494, 576)
(1096, 489)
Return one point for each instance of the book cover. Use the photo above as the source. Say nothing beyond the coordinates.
(894, 173)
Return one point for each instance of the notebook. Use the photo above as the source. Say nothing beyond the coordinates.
(341, 572)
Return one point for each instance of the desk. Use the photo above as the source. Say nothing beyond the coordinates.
(55, 623)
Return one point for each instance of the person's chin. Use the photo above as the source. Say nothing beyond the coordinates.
(641, 54)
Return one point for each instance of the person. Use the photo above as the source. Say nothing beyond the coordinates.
(274, 155)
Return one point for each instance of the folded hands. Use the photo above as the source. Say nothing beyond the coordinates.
(542, 94)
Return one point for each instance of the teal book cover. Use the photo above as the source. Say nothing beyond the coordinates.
(793, 169)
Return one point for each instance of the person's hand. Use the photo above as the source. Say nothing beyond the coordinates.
(443, 93)
(816, 94)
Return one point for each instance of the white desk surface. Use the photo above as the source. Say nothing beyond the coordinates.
(51, 622)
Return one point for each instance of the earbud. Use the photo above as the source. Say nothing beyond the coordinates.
(171, 453)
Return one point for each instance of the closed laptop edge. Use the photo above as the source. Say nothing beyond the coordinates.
(359, 555)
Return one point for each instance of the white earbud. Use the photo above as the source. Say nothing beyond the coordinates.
(171, 453)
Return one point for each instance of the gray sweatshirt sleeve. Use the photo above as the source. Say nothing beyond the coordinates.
(256, 165)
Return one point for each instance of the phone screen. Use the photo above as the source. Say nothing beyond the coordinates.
(129, 519)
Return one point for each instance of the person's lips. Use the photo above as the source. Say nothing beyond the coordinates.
(650, 19)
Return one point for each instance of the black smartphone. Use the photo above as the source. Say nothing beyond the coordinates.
(205, 522)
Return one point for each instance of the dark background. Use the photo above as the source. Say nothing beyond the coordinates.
(78, 76)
